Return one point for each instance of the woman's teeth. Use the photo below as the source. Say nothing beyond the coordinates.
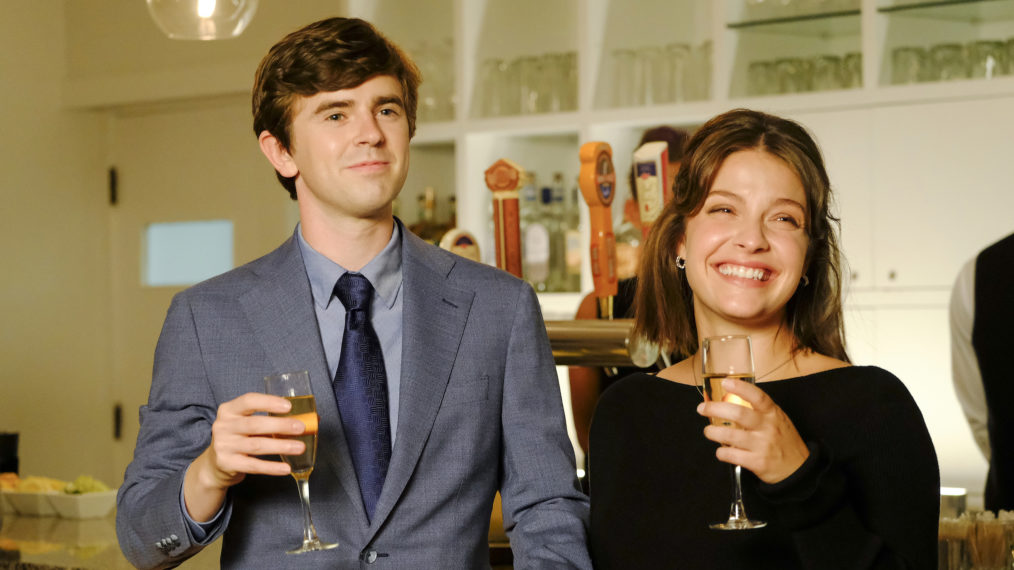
(744, 272)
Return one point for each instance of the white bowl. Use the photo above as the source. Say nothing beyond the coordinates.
(5, 506)
(32, 504)
(85, 505)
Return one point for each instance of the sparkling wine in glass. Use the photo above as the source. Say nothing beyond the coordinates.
(295, 387)
(729, 357)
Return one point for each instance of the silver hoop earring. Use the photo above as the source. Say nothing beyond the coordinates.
(680, 263)
(806, 280)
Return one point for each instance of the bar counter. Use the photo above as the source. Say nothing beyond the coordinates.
(44, 543)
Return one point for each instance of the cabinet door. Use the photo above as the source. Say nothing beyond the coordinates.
(844, 137)
(942, 187)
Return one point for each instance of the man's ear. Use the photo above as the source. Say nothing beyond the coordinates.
(277, 155)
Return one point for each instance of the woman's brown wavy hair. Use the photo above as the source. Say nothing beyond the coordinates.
(664, 310)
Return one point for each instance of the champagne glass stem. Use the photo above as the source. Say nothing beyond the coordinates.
(310, 540)
(737, 512)
(309, 532)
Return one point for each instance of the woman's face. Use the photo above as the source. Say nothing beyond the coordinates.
(746, 247)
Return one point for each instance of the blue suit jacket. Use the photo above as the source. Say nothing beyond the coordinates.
(480, 412)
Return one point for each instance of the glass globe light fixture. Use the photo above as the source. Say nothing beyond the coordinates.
(202, 19)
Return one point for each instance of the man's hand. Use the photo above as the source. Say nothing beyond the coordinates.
(237, 437)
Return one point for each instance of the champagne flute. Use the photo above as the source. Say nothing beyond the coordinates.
(295, 387)
(729, 357)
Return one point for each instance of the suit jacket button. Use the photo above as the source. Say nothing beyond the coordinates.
(371, 556)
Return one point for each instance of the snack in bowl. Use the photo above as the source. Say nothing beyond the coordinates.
(84, 498)
(36, 484)
(9, 481)
(85, 484)
(31, 495)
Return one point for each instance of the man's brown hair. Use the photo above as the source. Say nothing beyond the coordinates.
(329, 55)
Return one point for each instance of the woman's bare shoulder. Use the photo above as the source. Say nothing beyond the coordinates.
(683, 372)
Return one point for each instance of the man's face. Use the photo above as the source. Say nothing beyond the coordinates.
(349, 151)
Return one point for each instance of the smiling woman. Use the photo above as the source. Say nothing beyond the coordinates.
(747, 246)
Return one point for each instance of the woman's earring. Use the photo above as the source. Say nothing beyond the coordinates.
(680, 263)
(806, 280)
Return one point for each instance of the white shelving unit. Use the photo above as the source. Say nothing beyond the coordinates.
(921, 171)
(845, 120)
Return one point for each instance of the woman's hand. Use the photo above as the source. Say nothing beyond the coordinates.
(765, 442)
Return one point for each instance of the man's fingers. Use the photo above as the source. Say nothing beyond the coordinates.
(254, 465)
(253, 402)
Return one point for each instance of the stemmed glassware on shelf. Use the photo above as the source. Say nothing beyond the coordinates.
(728, 357)
(295, 387)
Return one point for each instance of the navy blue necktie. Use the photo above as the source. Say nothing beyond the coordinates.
(360, 386)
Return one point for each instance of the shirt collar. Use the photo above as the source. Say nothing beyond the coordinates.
(383, 271)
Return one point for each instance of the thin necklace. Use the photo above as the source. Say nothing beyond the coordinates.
(700, 390)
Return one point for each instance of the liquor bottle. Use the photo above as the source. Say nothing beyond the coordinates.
(534, 238)
(572, 238)
(426, 226)
(552, 216)
(628, 242)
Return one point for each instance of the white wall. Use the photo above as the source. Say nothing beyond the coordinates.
(54, 295)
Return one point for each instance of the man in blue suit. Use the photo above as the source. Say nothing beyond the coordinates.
(468, 401)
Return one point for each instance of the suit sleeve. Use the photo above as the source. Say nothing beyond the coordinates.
(545, 513)
(175, 427)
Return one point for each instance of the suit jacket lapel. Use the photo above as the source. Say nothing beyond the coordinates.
(433, 320)
(280, 310)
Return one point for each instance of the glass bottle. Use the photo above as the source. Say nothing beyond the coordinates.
(534, 238)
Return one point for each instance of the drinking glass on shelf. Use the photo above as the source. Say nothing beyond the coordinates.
(985, 59)
(948, 61)
(786, 8)
(852, 70)
(648, 76)
(758, 9)
(624, 93)
(490, 87)
(789, 74)
(679, 75)
(908, 65)
(827, 73)
(530, 83)
(1009, 50)
(570, 65)
(295, 387)
(702, 58)
(554, 83)
(760, 78)
(728, 357)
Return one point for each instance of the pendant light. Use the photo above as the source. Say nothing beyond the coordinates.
(202, 19)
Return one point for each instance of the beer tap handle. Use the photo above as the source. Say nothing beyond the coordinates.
(597, 181)
(504, 178)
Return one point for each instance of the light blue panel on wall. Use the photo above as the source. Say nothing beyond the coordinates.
(184, 253)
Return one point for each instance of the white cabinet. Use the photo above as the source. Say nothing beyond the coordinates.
(919, 168)
(942, 179)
